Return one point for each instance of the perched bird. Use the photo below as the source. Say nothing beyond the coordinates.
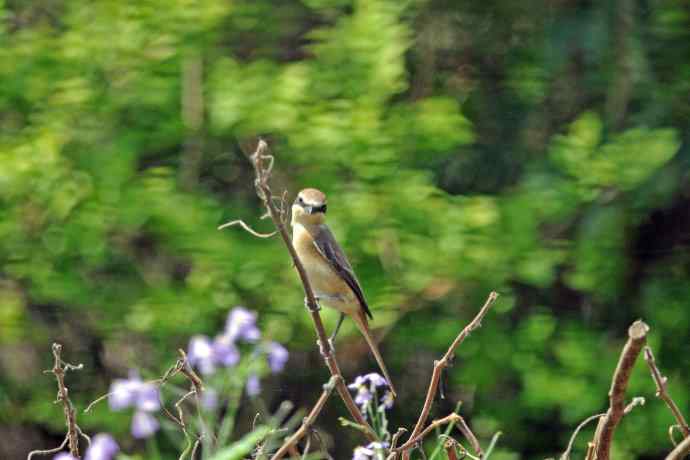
(330, 273)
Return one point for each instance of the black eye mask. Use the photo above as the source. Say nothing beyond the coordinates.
(315, 209)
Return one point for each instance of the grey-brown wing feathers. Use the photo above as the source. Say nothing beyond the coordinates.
(330, 250)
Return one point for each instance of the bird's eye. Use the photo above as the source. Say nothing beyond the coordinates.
(300, 200)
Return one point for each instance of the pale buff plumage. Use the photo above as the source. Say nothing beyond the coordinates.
(330, 273)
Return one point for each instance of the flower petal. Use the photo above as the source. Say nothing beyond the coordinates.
(144, 425)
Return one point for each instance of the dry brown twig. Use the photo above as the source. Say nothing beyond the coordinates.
(263, 166)
(452, 418)
(440, 365)
(309, 420)
(680, 451)
(59, 370)
(637, 337)
(662, 391)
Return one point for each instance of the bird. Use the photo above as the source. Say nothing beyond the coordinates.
(329, 272)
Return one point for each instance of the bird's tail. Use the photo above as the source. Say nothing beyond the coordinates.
(363, 327)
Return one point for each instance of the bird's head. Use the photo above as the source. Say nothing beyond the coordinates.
(309, 207)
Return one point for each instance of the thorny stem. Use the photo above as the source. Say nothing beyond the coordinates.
(263, 164)
(444, 362)
(308, 420)
(662, 391)
(637, 337)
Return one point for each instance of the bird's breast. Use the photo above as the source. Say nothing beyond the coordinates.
(331, 289)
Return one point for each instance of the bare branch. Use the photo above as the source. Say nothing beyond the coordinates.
(445, 361)
(566, 454)
(680, 451)
(662, 391)
(637, 336)
(60, 367)
(452, 418)
(247, 228)
(263, 165)
(49, 451)
(308, 420)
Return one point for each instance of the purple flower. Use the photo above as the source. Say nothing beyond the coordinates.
(359, 381)
(253, 385)
(209, 399)
(362, 453)
(387, 400)
(366, 385)
(224, 351)
(144, 425)
(241, 325)
(363, 397)
(103, 447)
(201, 354)
(368, 452)
(123, 392)
(376, 380)
(64, 456)
(277, 356)
(148, 398)
(133, 392)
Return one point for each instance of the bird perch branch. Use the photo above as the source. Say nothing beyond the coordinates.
(263, 165)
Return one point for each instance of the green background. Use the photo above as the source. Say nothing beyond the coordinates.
(535, 148)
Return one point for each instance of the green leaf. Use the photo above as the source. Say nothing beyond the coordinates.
(244, 446)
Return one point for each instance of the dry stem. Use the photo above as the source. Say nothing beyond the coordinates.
(309, 420)
(263, 164)
(680, 451)
(452, 418)
(662, 391)
(444, 362)
(59, 369)
(637, 336)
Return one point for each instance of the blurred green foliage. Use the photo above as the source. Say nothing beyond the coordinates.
(536, 148)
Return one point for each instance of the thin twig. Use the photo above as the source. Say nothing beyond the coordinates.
(680, 451)
(309, 419)
(444, 362)
(637, 336)
(662, 391)
(462, 426)
(492, 444)
(247, 228)
(566, 454)
(49, 451)
(263, 165)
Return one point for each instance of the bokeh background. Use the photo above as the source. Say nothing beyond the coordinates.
(537, 148)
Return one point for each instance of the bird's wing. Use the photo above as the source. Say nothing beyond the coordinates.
(327, 246)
